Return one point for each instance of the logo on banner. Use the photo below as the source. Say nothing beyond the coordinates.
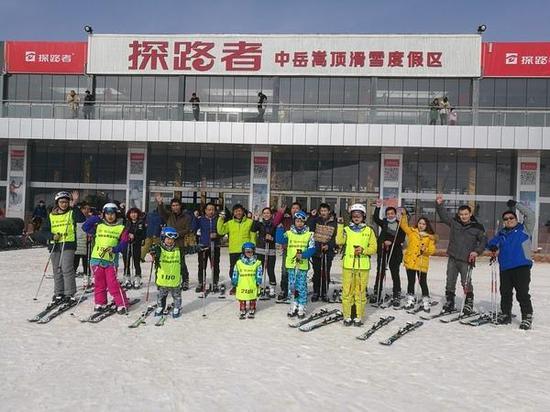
(30, 56)
(511, 58)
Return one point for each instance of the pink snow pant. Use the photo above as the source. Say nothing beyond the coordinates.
(105, 279)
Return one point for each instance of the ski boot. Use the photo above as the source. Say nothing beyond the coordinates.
(159, 310)
(426, 304)
(315, 297)
(293, 310)
(504, 319)
(396, 301)
(526, 322)
(242, 314)
(357, 322)
(251, 313)
(348, 322)
(301, 312)
(122, 310)
(100, 308)
(199, 287)
(176, 313)
(127, 284)
(272, 292)
(449, 305)
(137, 282)
(185, 285)
(282, 297)
(215, 288)
(409, 304)
(468, 304)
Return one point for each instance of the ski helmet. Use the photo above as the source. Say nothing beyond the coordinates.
(169, 232)
(62, 195)
(110, 208)
(300, 214)
(249, 246)
(358, 207)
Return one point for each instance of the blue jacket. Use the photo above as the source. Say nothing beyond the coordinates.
(514, 245)
(206, 225)
(154, 223)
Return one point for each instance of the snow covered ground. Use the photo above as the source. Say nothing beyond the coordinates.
(223, 363)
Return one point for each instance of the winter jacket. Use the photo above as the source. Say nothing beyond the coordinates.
(262, 228)
(206, 225)
(89, 227)
(238, 231)
(46, 233)
(183, 223)
(464, 238)
(40, 211)
(316, 226)
(414, 258)
(153, 223)
(514, 245)
(388, 230)
(137, 229)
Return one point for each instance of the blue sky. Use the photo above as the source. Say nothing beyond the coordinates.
(507, 20)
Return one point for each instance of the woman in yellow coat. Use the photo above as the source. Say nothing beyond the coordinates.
(359, 242)
(421, 242)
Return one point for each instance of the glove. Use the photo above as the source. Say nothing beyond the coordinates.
(511, 203)
(493, 248)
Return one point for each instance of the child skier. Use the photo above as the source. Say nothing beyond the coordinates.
(247, 276)
(300, 247)
(167, 257)
(359, 242)
(136, 235)
(420, 246)
(110, 239)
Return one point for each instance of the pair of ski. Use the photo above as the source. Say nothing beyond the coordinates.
(53, 310)
(208, 291)
(409, 327)
(461, 317)
(327, 316)
(162, 319)
(110, 310)
(141, 320)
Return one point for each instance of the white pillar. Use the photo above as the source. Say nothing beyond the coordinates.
(528, 187)
(17, 179)
(136, 177)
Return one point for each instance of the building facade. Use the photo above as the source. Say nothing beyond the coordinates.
(347, 119)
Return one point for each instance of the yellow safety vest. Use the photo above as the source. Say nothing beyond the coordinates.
(246, 287)
(63, 224)
(297, 241)
(169, 270)
(362, 238)
(106, 236)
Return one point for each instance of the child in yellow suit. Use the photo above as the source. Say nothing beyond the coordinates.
(359, 242)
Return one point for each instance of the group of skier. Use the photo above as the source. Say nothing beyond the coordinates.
(304, 240)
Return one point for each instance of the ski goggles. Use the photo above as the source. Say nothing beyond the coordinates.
(171, 235)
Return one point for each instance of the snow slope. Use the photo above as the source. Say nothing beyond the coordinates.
(223, 363)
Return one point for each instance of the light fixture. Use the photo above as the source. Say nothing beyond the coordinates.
(88, 29)
(481, 28)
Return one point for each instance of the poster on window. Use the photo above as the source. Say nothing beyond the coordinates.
(136, 163)
(259, 198)
(528, 199)
(135, 194)
(15, 188)
(391, 170)
(391, 196)
(261, 164)
(528, 173)
(17, 160)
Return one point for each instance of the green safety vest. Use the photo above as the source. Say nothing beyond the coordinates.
(106, 236)
(297, 241)
(169, 270)
(63, 224)
(362, 239)
(247, 288)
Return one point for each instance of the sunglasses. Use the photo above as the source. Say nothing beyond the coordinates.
(508, 218)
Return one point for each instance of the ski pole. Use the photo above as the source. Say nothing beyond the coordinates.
(266, 266)
(85, 286)
(205, 263)
(43, 275)
(149, 281)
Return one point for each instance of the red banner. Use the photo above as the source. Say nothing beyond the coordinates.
(516, 59)
(45, 57)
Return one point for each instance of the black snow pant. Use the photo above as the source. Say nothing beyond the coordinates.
(321, 284)
(204, 259)
(422, 280)
(394, 265)
(518, 279)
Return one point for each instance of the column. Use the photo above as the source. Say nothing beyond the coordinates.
(136, 177)
(391, 169)
(260, 177)
(528, 188)
(17, 179)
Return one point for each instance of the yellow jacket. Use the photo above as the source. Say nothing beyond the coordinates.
(413, 258)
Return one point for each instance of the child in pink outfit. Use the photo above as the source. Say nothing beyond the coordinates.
(110, 239)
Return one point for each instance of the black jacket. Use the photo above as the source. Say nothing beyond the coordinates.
(386, 232)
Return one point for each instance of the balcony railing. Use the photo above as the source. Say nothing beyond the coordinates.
(274, 113)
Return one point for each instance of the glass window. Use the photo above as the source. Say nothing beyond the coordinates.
(136, 89)
(22, 87)
(544, 227)
(486, 177)
(545, 175)
(284, 90)
(346, 170)
(395, 92)
(369, 170)
(223, 168)
(4, 161)
(254, 86)
(451, 91)
(506, 169)
(58, 88)
(161, 89)
(281, 167)
(364, 91)
(157, 164)
(35, 87)
(325, 169)
(306, 159)
(173, 89)
(351, 91)
(216, 89)
(424, 96)
(191, 167)
(410, 172)
(410, 93)
(382, 92)
(437, 88)
(72, 163)
(241, 167)
(324, 90)
(427, 170)
(297, 90)
(190, 86)
(446, 172)
(241, 89)
(311, 90)
(500, 92)
(487, 92)
(336, 91)
(123, 91)
(465, 93)
(537, 90)
(516, 93)
(228, 89)
(466, 172)
(207, 166)
(148, 89)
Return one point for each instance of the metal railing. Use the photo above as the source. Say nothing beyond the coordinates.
(274, 113)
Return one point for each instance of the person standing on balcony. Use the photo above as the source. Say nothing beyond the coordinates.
(434, 111)
(453, 117)
(262, 98)
(194, 100)
(73, 100)
(89, 101)
(444, 111)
